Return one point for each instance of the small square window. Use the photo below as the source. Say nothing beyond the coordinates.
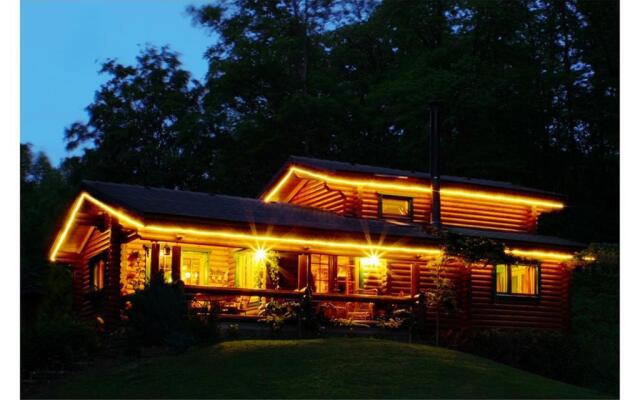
(394, 207)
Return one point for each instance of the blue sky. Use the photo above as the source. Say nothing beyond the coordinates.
(63, 43)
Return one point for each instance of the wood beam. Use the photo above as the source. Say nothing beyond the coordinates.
(175, 263)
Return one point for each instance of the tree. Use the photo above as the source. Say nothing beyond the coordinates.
(146, 126)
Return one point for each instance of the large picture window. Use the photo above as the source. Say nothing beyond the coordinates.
(517, 279)
(395, 207)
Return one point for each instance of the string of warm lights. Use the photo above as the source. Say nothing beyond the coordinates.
(406, 187)
(370, 249)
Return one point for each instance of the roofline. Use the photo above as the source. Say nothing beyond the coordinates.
(454, 180)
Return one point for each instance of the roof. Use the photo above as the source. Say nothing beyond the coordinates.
(339, 166)
(178, 204)
(516, 237)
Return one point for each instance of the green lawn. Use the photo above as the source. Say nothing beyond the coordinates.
(334, 368)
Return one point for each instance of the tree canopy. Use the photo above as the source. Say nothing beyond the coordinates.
(530, 89)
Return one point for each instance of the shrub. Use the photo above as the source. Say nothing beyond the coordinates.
(56, 342)
(275, 314)
(158, 311)
(159, 315)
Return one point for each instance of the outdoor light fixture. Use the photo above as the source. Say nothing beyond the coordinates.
(167, 250)
(260, 255)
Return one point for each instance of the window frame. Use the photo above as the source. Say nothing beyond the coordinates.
(409, 200)
(206, 266)
(94, 263)
(509, 294)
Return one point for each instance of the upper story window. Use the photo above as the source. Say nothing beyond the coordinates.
(395, 207)
(519, 280)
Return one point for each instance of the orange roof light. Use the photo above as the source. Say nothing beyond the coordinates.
(377, 184)
(365, 247)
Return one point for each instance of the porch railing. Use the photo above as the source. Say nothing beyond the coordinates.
(415, 303)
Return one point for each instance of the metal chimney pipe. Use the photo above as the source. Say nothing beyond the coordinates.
(434, 156)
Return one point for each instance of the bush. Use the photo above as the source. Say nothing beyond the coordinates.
(159, 315)
(587, 356)
(56, 343)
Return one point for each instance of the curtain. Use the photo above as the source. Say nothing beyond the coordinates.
(502, 276)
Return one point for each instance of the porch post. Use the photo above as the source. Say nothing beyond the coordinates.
(155, 259)
(303, 269)
(112, 275)
(175, 264)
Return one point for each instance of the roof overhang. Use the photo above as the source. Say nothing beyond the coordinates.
(88, 210)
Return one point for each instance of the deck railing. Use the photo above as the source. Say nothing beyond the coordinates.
(415, 303)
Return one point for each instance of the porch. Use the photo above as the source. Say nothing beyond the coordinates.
(237, 281)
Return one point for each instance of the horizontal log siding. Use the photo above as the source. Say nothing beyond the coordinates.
(487, 215)
(317, 195)
(550, 311)
(399, 277)
(81, 285)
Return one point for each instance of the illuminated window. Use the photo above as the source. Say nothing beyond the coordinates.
(345, 276)
(165, 262)
(251, 272)
(96, 271)
(195, 267)
(372, 274)
(517, 279)
(395, 207)
(320, 272)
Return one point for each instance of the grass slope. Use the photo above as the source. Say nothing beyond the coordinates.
(334, 368)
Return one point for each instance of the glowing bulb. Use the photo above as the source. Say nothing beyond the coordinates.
(187, 275)
(260, 255)
(372, 261)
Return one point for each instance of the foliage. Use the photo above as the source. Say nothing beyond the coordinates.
(158, 311)
(233, 331)
(55, 342)
(145, 126)
(589, 354)
(348, 323)
(277, 313)
(443, 296)
(159, 315)
(476, 250)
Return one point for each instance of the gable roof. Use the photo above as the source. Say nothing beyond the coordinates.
(161, 203)
(339, 166)
(167, 204)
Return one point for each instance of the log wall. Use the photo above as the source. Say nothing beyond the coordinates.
(362, 202)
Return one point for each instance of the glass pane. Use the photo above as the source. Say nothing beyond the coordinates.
(395, 207)
(250, 274)
(502, 277)
(524, 279)
(195, 268)
(320, 273)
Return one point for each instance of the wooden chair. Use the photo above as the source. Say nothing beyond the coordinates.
(361, 310)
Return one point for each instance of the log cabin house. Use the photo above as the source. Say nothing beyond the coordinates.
(357, 237)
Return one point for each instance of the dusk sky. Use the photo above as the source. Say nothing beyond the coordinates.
(63, 44)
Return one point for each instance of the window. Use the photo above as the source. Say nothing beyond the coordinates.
(372, 274)
(250, 273)
(520, 280)
(195, 268)
(96, 271)
(395, 207)
(320, 272)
